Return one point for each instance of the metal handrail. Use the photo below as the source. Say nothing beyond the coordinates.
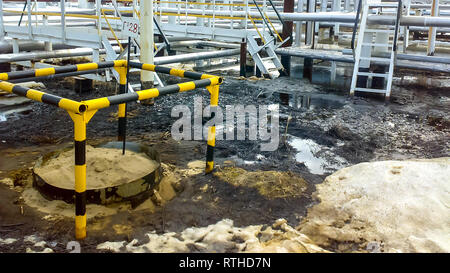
(276, 11)
(23, 12)
(264, 19)
(397, 23)
(355, 26)
(279, 17)
(112, 31)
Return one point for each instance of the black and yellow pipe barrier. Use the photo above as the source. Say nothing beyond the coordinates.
(67, 104)
(82, 112)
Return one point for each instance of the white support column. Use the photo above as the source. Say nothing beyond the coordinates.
(2, 28)
(432, 30)
(406, 28)
(30, 30)
(337, 8)
(333, 72)
(95, 55)
(15, 46)
(309, 39)
(146, 40)
(48, 46)
(98, 6)
(347, 5)
(83, 4)
(298, 25)
(63, 20)
(200, 20)
(172, 18)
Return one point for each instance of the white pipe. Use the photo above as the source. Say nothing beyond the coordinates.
(2, 29)
(432, 32)
(146, 39)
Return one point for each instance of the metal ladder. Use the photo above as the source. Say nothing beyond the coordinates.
(366, 43)
(271, 63)
(266, 65)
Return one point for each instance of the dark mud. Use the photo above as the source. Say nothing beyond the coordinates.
(414, 125)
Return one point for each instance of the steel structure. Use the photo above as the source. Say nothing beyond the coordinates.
(262, 28)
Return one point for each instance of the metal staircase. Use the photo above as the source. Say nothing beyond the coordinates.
(376, 45)
(268, 65)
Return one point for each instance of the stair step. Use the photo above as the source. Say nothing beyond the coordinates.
(377, 44)
(380, 91)
(268, 58)
(380, 30)
(381, 75)
(385, 60)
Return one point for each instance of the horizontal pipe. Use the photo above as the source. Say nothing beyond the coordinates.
(404, 59)
(76, 52)
(338, 17)
(196, 56)
(7, 47)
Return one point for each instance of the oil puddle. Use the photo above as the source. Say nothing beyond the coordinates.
(312, 101)
(9, 113)
(317, 158)
(12, 106)
(322, 75)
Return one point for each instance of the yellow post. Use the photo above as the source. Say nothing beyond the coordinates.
(80, 121)
(214, 91)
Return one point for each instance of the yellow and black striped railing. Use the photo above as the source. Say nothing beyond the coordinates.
(82, 112)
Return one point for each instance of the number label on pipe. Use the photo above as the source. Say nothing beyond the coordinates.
(131, 27)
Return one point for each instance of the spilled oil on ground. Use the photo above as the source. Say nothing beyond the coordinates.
(254, 197)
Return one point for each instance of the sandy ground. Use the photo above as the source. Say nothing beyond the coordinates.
(414, 125)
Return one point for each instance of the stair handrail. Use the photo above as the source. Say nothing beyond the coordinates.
(397, 23)
(355, 26)
(23, 11)
(279, 17)
(264, 19)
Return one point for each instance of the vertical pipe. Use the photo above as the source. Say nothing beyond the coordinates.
(30, 31)
(298, 25)
(432, 30)
(63, 20)
(309, 40)
(201, 20)
(309, 35)
(98, 6)
(336, 7)
(333, 73)
(80, 175)
(83, 4)
(211, 143)
(406, 28)
(2, 28)
(172, 18)
(347, 5)
(124, 117)
(287, 33)
(146, 25)
(243, 59)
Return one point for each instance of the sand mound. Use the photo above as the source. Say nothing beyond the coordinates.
(222, 237)
(105, 168)
(395, 206)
